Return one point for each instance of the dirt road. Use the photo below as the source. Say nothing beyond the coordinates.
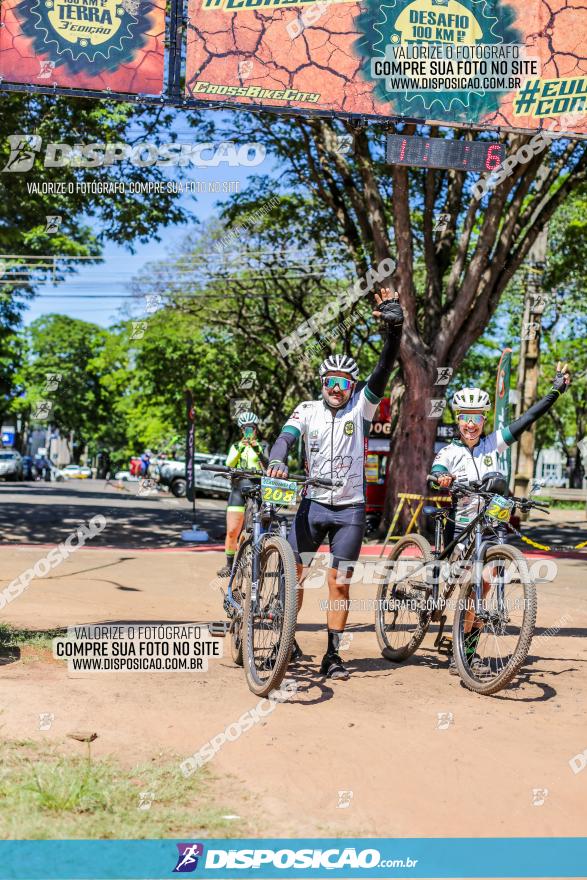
(377, 738)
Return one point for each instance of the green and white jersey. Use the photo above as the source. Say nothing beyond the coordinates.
(471, 464)
(335, 444)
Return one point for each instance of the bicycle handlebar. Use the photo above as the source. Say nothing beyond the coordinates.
(474, 488)
(325, 482)
(526, 502)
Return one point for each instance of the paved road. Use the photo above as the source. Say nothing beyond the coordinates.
(46, 513)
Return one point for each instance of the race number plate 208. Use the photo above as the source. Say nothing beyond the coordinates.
(500, 508)
(278, 491)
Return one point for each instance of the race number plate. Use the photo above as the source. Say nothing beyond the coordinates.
(500, 508)
(278, 491)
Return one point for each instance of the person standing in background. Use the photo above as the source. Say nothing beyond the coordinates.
(248, 453)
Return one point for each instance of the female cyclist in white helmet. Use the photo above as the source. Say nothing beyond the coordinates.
(473, 454)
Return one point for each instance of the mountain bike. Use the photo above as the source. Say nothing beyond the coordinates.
(261, 595)
(495, 610)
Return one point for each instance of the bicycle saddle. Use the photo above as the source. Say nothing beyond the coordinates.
(432, 510)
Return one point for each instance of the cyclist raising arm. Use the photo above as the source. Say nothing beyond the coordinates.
(334, 429)
(472, 455)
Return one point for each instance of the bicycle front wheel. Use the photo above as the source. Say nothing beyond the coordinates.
(270, 621)
(492, 642)
(401, 612)
(239, 587)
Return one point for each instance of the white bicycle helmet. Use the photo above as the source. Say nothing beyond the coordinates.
(247, 418)
(471, 400)
(340, 363)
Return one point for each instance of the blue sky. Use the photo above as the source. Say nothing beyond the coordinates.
(111, 277)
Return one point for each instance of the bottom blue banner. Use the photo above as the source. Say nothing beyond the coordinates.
(274, 858)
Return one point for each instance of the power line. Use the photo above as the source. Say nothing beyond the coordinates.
(208, 295)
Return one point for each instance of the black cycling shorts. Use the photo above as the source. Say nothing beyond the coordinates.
(236, 499)
(343, 526)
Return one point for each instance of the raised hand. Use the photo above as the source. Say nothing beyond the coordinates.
(388, 307)
(562, 379)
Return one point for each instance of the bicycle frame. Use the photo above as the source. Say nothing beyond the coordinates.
(474, 548)
(475, 545)
(264, 521)
(264, 516)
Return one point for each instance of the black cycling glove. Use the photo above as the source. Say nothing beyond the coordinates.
(559, 383)
(391, 313)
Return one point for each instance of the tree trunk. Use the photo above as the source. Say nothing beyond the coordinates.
(413, 441)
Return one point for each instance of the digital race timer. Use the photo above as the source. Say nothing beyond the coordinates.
(444, 153)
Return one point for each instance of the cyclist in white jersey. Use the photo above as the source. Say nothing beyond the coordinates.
(472, 455)
(335, 429)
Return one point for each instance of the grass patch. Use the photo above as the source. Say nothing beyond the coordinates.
(37, 642)
(560, 504)
(45, 795)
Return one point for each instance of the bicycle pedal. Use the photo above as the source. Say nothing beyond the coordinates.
(219, 628)
(444, 645)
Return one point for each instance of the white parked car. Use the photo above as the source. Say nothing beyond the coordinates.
(10, 465)
(125, 476)
(172, 474)
(76, 472)
(215, 484)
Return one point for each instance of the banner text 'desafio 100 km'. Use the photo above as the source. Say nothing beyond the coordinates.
(510, 63)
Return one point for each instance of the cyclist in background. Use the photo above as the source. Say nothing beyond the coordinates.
(473, 454)
(250, 454)
(334, 429)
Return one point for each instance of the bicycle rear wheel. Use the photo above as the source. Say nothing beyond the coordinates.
(402, 615)
(490, 650)
(269, 624)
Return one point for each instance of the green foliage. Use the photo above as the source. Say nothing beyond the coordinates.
(77, 351)
(567, 259)
(298, 242)
(178, 352)
(563, 335)
(230, 319)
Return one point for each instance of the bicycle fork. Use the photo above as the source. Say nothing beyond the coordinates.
(481, 613)
(256, 559)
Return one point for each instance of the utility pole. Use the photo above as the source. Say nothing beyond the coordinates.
(529, 365)
(582, 447)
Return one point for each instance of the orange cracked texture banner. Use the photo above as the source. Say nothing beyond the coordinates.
(89, 44)
(332, 55)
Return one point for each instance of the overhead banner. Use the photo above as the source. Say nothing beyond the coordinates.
(86, 44)
(516, 64)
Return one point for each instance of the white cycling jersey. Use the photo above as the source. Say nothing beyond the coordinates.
(471, 464)
(336, 444)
